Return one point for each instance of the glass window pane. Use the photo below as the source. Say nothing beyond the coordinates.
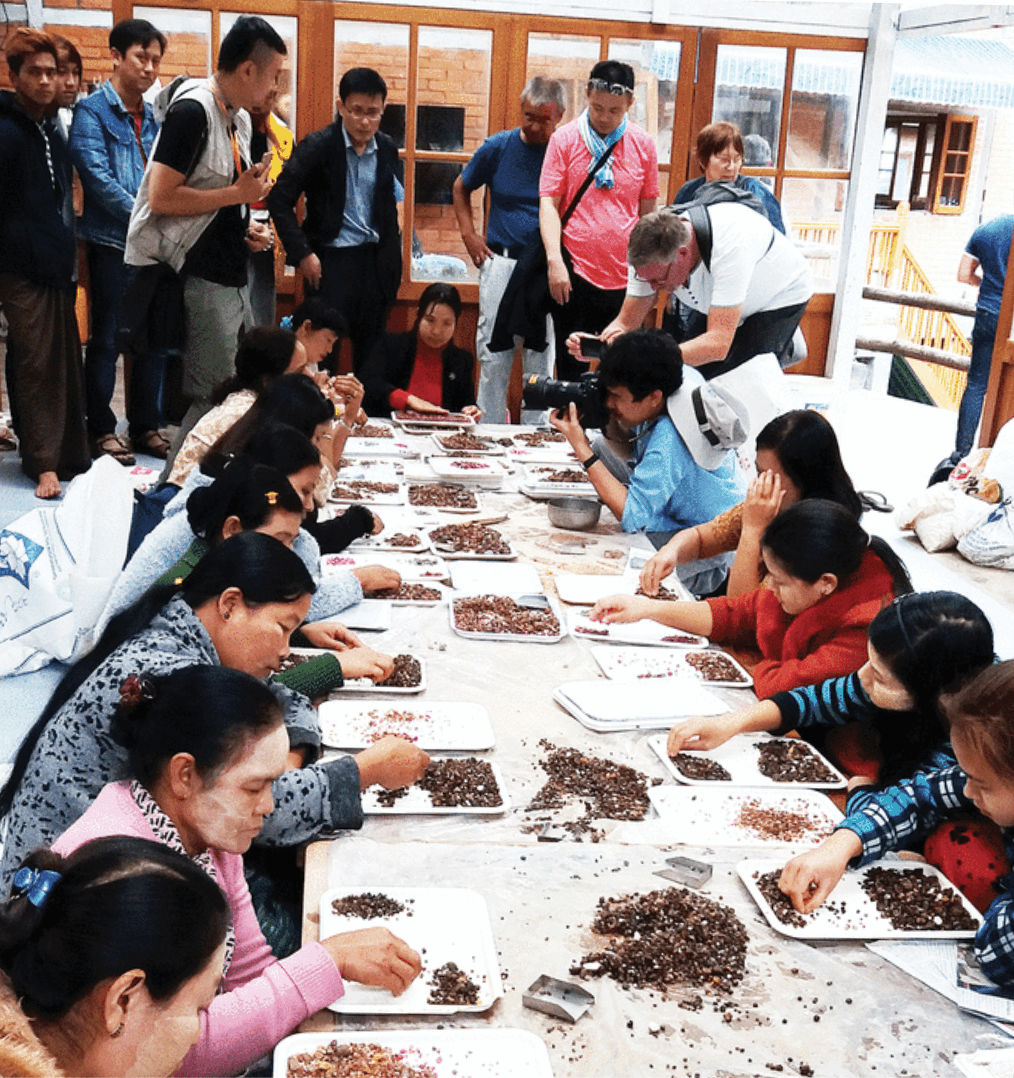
(822, 110)
(288, 31)
(437, 251)
(188, 51)
(656, 67)
(813, 211)
(452, 93)
(568, 58)
(749, 83)
(384, 47)
(906, 159)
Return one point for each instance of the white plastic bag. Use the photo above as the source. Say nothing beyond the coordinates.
(991, 543)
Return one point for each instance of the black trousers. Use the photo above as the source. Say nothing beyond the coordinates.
(349, 282)
(589, 310)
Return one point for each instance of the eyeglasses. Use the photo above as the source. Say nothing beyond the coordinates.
(729, 160)
(364, 114)
(617, 89)
(654, 282)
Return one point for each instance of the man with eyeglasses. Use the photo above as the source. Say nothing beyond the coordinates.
(349, 246)
(508, 164)
(589, 291)
(750, 281)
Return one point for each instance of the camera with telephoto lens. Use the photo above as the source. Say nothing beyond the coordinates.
(541, 391)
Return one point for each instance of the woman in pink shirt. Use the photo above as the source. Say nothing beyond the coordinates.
(588, 259)
(205, 744)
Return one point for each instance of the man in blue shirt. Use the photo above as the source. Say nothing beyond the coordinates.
(508, 164)
(349, 246)
(675, 478)
(110, 143)
(984, 264)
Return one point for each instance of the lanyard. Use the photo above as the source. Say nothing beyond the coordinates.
(137, 120)
(233, 137)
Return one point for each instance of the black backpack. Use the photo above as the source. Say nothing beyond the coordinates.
(711, 194)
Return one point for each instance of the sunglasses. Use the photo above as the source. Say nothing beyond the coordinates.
(617, 89)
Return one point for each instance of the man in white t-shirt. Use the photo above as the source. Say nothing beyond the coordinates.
(748, 278)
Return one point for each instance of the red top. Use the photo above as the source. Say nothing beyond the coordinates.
(826, 641)
(427, 379)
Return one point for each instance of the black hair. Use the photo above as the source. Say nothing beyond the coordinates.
(807, 449)
(933, 642)
(293, 400)
(247, 39)
(262, 568)
(362, 80)
(642, 361)
(244, 489)
(264, 354)
(817, 536)
(613, 71)
(210, 712)
(130, 32)
(437, 293)
(320, 315)
(121, 903)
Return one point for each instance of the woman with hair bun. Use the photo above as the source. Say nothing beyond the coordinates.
(204, 745)
(113, 952)
(237, 609)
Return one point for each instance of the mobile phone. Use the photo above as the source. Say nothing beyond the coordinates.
(592, 347)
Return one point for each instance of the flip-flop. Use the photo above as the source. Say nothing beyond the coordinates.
(111, 445)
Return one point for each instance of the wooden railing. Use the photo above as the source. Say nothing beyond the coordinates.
(891, 264)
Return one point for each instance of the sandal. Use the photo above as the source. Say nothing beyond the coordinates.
(112, 445)
(154, 443)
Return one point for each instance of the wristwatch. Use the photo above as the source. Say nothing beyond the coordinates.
(586, 464)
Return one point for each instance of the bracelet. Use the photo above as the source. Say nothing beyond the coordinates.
(347, 426)
(586, 464)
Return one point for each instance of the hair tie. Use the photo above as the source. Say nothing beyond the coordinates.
(272, 497)
(35, 884)
(136, 688)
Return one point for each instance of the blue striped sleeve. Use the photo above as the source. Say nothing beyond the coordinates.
(830, 703)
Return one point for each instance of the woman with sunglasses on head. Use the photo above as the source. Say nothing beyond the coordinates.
(113, 954)
(237, 608)
(204, 746)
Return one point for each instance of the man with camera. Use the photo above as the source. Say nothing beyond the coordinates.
(676, 476)
(729, 263)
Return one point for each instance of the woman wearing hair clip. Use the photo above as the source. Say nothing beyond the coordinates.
(237, 609)
(113, 954)
(204, 745)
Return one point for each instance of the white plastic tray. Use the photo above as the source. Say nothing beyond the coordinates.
(605, 706)
(491, 450)
(468, 555)
(375, 447)
(739, 757)
(641, 663)
(382, 541)
(444, 508)
(371, 614)
(477, 472)
(849, 914)
(482, 578)
(396, 497)
(436, 585)
(648, 632)
(517, 637)
(379, 471)
(361, 684)
(441, 727)
(535, 480)
(449, 924)
(421, 569)
(436, 422)
(709, 817)
(583, 589)
(450, 1053)
(417, 802)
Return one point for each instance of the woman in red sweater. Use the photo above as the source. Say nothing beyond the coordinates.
(423, 370)
(827, 580)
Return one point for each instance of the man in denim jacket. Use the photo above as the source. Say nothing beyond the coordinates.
(110, 142)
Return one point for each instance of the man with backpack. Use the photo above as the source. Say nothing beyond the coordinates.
(725, 260)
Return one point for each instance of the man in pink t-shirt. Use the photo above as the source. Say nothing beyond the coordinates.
(590, 294)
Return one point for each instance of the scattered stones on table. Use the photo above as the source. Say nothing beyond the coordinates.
(336, 1060)
(411, 593)
(700, 768)
(441, 495)
(452, 986)
(502, 615)
(370, 906)
(714, 666)
(371, 430)
(914, 900)
(791, 760)
(470, 538)
(665, 939)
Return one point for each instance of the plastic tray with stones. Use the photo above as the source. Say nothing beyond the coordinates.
(435, 585)
(536, 484)
(849, 913)
(485, 578)
(418, 802)
(378, 470)
(520, 638)
(457, 510)
(608, 706)
(739, 756)
(420, 569)
(364, 684)
(641, 663)
(440, 727)
(706, 816)
(492, 1053)
(433, 422)
(383, 541)
(444, 924)
(449, 554)
(375, 447)
(646, 632)
(490, 448)
(472, 471)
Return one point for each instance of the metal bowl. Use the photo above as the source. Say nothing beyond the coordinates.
(577, 514)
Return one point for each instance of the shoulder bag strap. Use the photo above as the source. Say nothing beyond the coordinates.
(587, 183)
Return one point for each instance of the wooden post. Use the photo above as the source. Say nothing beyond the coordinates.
(894, 269)
(998, 406)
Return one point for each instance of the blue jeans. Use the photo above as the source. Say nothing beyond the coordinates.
(970, 409)
(109, 280)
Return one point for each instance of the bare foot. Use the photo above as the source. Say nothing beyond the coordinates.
(49, 486)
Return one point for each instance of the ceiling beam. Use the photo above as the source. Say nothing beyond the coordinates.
(953, 19)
